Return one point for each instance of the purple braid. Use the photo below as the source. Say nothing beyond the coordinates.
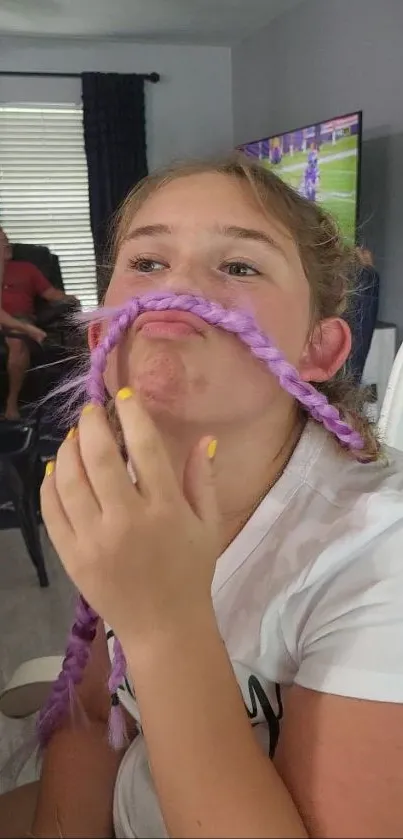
(119, 325)
(117, 729)
(244, 326)
(77, 653)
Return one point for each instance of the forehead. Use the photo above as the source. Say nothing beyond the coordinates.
(208, 200)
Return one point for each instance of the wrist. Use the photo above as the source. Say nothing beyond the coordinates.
(188, 629)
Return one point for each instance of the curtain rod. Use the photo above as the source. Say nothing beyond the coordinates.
(147, 77)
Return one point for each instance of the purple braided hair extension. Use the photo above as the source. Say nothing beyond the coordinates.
(77, 654)
(117, 727)
(120, 323)
(91, 386)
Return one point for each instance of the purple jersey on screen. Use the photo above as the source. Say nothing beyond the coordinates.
(311, 176)
(276, 155)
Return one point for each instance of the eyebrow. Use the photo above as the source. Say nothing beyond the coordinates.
(148, 230)
(251, 235)
(229, 231)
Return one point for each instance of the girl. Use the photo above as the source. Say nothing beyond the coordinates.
(248, 523)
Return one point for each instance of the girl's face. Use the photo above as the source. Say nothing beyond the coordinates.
(205, 234)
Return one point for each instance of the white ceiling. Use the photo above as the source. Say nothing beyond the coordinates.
(221, 22)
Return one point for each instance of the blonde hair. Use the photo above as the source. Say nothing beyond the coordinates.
(329, 264)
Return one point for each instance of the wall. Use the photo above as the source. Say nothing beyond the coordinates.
(189, 112)
(329, 58)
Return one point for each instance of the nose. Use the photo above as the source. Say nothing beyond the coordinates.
(190, 279)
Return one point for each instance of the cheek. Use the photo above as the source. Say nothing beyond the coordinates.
(119, 290)
(124, 285)
(290, 332)
(284, 317)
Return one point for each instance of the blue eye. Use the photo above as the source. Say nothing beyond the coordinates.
(240, 269)
(146, 266)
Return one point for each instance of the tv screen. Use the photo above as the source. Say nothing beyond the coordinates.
(322, 162)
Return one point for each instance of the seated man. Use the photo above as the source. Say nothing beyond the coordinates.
(20, 283)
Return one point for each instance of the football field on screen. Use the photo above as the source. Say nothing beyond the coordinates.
(338, 179)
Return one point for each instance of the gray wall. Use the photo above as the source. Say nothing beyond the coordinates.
(328, 58)
(189, 113)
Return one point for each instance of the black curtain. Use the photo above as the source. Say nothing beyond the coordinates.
(115, 145)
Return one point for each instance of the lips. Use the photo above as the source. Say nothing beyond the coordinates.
(180, 322)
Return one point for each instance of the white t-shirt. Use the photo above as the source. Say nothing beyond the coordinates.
(310, 592)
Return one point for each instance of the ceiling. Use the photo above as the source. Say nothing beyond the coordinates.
(221, 22)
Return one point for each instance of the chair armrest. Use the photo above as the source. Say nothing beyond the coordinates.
(29, 688)
(6, 332)
(55, 312)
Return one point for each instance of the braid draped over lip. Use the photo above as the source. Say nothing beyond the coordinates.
(245, 328)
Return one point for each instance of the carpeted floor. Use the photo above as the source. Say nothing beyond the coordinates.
(33, 622)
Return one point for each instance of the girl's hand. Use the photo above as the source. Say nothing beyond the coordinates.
(142, 555)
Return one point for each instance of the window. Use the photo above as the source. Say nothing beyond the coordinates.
(44, 189)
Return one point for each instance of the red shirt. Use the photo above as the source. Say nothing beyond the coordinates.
(22, 282)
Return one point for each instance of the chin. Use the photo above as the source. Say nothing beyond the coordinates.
(169, 382)
(158, 395)
(162, 382)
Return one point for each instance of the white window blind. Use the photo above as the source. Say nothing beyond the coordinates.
(44, 189)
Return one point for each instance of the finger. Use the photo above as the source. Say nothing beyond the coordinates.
(199, 480)
(74, 489)
(146, 450)
(104, 465)
(56, 522)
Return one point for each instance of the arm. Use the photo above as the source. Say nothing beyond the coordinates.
(41, 287)
(55, 295)
(21, 326)
(3, 249)
(341, 742)
(223, 783)
(341, 759)
(80, 768)
(12, 323)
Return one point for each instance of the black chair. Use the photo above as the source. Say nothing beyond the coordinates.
(362, 319)
(25, 445)
(21, 470)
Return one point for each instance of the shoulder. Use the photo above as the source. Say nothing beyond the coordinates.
(329, 518)
(353, 505)
(340, 478)
(33, 275)
(353, 511)
(343, 616)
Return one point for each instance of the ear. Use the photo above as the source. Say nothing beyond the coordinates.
(326, 351)
(93, 335)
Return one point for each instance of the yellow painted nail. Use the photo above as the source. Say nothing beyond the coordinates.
(72, 433)
(211, 449)
(87, 409)
(124, 393)
(50, 467)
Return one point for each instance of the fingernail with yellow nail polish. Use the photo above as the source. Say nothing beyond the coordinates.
(87, 409)
(124, 393)
(50, 468)
(72, 433)
(211, 449)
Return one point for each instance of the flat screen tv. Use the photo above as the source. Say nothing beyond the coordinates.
(322, 162)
